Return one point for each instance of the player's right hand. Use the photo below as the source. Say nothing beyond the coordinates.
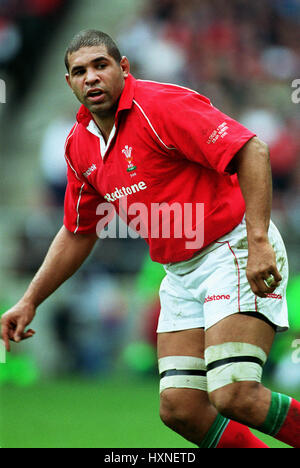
(14, 322)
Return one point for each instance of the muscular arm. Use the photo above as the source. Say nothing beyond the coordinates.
(252, 165)
(66, 254)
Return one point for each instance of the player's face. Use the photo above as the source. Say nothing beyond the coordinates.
(97, 79)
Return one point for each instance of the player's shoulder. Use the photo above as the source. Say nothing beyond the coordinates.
(78, 134)
(157, 87)
(70, 136)
(156, 95)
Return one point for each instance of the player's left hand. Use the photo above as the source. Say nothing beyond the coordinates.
(262, 272)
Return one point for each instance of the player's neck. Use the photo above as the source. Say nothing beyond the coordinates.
(105, 124)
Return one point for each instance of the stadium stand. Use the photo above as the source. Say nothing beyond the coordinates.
(26, 26)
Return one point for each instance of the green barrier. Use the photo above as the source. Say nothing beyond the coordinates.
(140, 357)
(293, 300)
(19, 370)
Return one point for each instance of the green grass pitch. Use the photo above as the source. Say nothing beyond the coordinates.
(76, 413)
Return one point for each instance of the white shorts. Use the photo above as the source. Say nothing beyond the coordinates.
(200, 292)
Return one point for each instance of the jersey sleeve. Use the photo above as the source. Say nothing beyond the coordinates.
(202, 133)
(82, 203)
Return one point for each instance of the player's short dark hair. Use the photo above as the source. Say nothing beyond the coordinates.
(91, 38)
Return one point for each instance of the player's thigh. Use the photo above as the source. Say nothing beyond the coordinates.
(242, 329)
(181, 343)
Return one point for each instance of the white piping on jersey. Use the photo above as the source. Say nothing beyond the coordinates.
(77, 177)
(77, 207)
(67, 140)
(151, 126)
(67, 159)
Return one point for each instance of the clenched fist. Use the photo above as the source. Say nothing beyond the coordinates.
(262, 272)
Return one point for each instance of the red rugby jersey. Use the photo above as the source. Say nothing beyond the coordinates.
(171, 146)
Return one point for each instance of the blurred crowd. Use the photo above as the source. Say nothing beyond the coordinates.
(25, 29)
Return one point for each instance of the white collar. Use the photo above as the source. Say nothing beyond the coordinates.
(95, 130)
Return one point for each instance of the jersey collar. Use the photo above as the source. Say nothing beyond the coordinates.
(84, 116)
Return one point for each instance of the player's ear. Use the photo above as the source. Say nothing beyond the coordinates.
(125, 65)
(68, 80)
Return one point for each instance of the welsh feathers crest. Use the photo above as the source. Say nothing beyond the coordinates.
(128, 155)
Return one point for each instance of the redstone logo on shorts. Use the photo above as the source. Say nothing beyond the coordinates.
(217, 298)
(274, 296)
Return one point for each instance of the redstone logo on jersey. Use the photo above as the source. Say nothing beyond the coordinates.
(155, 221)
(124, 191)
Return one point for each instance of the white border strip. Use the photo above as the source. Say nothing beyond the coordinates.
(77, 177)
(77, 207)
(2, 352)
(67, 160)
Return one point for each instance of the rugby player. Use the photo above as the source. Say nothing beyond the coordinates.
(222, 300)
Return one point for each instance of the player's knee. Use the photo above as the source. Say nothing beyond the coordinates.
(183, 391)
(167, 410)
(234, 372)
(236, 400)
(173, 412)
